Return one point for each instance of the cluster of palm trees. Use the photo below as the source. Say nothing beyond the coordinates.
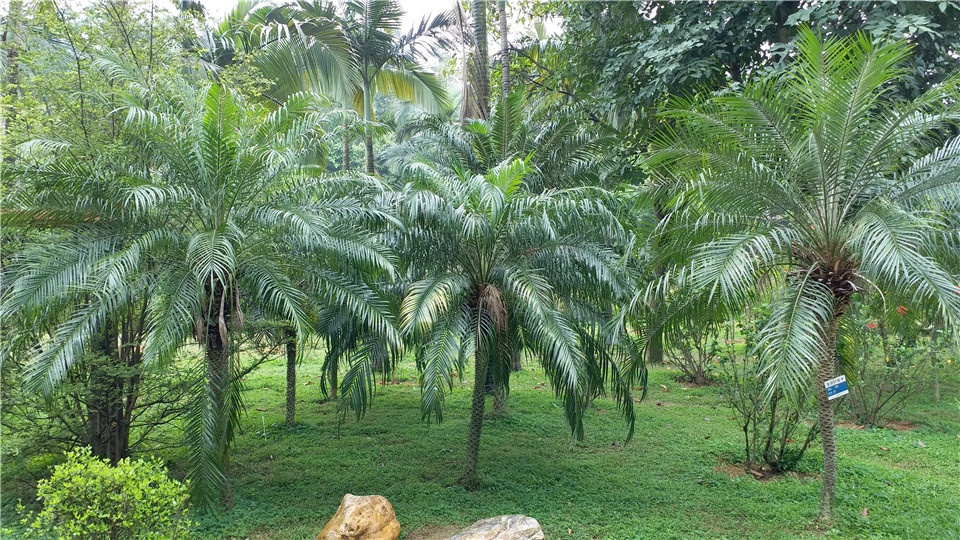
(492, 236)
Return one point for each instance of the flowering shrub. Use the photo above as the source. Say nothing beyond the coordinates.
(889, 360)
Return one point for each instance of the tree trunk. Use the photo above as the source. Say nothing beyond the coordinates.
(367, 133)
(346, 149)
(11, 41)
(499, 401)
(515, 360)
(219, 380)
(504, 50)
(108, 429)
(482, 63)
(291, 336)
(936, 375)
(332, 375)
(825, 372)
(654, 353)
(470, 479)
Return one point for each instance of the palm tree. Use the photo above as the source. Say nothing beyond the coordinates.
(807, 189)
(490, 262)
(227, 220)
(559, 150)
(385, 61)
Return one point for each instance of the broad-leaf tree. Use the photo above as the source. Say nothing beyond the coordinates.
(805, 189)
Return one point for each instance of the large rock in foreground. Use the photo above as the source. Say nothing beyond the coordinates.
(362, 518)
(515, 527)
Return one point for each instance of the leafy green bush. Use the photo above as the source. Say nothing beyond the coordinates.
(88, 498)
(778, 428)
(892, 357)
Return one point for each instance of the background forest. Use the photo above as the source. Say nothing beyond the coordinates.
(592, 262)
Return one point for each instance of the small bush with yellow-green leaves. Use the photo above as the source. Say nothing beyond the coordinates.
(87, 497)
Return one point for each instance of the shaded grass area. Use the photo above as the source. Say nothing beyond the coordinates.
(669, 482)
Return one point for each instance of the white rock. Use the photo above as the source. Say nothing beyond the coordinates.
(515, 527)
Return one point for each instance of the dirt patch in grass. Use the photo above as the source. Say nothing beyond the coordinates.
(736, 470)
(899, 425)
(690, 384)
(433, 532)
(731, 470)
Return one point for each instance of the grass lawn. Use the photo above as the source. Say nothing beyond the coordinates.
(672, 481)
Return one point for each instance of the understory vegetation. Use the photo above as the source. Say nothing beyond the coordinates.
(636, 269)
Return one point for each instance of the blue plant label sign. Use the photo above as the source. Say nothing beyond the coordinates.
(836, 387)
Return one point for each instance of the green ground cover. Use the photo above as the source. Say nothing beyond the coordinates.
(676, 479)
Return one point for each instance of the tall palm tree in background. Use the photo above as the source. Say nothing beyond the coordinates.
(385, 60)
(227, 220)
(559, 151)
(293, 54)
(805, 189)
(481, 63)
(492, 262)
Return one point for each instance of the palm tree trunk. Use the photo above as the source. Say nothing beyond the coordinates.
(367, 133)
(334, 372)
(218, 381)
(654, 353)
(825, 372)
(482, 64)
(936, 375)
(291, 336)
(470, 479)
(504, 49)
(499, 401)
(105, 432)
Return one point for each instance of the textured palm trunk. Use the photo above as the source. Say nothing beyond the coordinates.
(11, 41)
(291, 336)
(504, 49)
(334, 373)
(482, 63)
(936, 377)
(499, 401)
(654, 353)
(218, 381)
(825, 372)
(367, 133)
(470, 479)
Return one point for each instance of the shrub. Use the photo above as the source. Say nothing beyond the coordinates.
(777, 429)
(88, 498)
(892, 358)
(694, 353)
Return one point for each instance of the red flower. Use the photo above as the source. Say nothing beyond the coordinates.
(871, 325)
(902, 310)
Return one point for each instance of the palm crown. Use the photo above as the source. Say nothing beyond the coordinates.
(223, 217)
(492, 263)
(807, 189)
(559, 151)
